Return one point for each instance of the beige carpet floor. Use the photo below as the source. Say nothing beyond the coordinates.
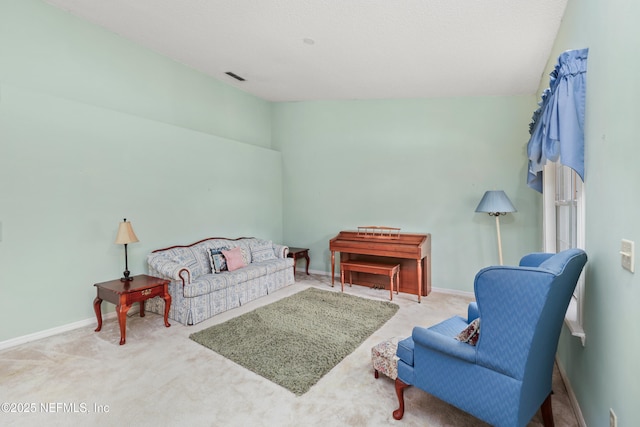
(162, 378)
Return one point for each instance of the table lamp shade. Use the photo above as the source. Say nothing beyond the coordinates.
(495, 202)
(125, 234)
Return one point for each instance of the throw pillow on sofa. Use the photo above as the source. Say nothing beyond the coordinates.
(262, 251)
(218, 262)
(246, 255)
(234, 259)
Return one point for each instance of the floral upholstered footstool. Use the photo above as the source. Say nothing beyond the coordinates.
(384, 359)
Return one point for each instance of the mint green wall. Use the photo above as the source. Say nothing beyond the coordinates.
(421, 165)
(49, 50)
(605, 373)
(94, 129)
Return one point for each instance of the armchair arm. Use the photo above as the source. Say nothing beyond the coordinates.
(534, 259)
(472, 312)
(169, 269)
(426, 338)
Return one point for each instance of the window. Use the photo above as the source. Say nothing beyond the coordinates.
(564, 228)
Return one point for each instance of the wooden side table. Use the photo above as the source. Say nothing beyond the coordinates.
(297, 253)
(124, 294)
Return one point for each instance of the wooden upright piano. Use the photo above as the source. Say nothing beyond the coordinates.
(412, 251)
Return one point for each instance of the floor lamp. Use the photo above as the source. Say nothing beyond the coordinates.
(496, 203)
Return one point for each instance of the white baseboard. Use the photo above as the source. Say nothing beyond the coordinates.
(320, 272)
(13, 342)
(454, 292)
(572, 395)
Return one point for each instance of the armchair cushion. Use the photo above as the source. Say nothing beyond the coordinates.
(405, 350)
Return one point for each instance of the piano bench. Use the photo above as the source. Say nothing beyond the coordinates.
(390, 270)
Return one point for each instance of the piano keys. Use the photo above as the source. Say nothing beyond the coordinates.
(411, 250)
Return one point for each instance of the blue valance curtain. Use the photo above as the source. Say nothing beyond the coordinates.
(557, 127)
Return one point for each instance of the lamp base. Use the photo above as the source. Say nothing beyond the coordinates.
(126, 277)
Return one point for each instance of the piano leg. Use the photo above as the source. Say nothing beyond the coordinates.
(419, 271)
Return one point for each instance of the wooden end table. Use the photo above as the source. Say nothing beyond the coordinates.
(297, 253)
(124, 294)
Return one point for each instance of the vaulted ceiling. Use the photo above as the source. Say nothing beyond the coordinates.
(293, 50)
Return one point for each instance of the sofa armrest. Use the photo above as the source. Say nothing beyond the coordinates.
(169, 269)
(281, 251)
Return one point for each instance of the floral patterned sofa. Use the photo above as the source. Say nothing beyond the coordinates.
(198, 292)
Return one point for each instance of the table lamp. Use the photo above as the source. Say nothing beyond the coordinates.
(124, 237)
(496, 203)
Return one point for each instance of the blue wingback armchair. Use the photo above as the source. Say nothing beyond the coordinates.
(506, 376)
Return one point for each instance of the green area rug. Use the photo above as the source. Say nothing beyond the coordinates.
(295, 341)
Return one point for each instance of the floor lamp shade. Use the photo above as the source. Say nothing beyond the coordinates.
(125, 236)
(496, 203)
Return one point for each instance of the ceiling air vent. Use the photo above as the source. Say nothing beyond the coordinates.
(235, 76)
